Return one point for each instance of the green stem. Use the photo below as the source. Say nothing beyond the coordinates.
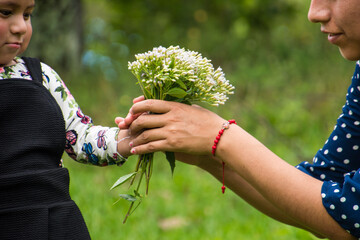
(149, 171)
(132, 203)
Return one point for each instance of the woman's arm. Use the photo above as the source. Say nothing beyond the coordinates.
(189, 129)
(293, 192)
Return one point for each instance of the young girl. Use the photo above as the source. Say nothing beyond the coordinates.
(322, 197)
(39, 119)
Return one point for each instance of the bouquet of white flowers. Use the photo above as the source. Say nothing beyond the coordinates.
(173, 74)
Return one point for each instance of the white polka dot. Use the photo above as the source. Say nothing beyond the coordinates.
(322, 163)
(343, 216)
(352, 89)
(353, 189)
(355, 100)
(335, 138)
(311, 169)
(343, 199)
(322, 176)
(356, 123)
(356, 147)
(356, 207)
(356, 225)
(332, 169)
(315, 160)
(326, 151)
(343, 125)
(348, 135)
(336, 190)
(339, 149)
(323, 195)
(334, 184)
(332, 207)
(346, 161)
(350, 112)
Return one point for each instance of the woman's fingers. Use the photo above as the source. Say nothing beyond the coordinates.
(138, 99)
(152, 105)
(147, 121)
(148, 148)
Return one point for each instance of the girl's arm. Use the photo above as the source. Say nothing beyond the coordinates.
(86, 142)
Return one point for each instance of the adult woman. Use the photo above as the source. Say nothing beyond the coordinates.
(320, 198)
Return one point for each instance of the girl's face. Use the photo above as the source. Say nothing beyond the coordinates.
(340, 20)
(15, 28)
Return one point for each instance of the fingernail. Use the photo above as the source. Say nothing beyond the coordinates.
(132, 150)
(131, 144)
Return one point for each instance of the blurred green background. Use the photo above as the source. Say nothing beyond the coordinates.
(290, 87)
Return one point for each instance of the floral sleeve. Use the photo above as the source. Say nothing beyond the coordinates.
(85, 142)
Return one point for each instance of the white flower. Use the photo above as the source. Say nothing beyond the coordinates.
(177, 74)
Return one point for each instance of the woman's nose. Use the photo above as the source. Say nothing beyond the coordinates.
(319, 11)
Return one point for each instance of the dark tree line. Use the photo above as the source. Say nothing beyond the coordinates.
(57, 33)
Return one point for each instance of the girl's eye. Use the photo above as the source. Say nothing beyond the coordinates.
(27, 16)
(5, 13)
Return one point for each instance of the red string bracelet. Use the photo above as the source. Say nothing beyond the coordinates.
(216, 141)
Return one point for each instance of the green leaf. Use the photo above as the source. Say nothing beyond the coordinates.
(172, 64)
(170, 156)
(176, 92)
(122, 180)
(181, 84)
(128, 197)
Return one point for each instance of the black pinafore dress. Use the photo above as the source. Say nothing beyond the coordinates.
(34, 189)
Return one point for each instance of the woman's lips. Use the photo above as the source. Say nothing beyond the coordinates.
(334, 37)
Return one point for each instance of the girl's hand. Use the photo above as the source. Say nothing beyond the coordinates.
(124, 123)
(173, 127)
(123, 140)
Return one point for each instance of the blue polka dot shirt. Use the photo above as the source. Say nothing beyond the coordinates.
(337, 164)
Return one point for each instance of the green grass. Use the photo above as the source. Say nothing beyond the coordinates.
(188, 205)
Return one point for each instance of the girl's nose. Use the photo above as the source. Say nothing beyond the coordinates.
(319, 11)
(19, 25)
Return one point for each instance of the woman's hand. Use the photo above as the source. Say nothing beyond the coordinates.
(173, 127)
